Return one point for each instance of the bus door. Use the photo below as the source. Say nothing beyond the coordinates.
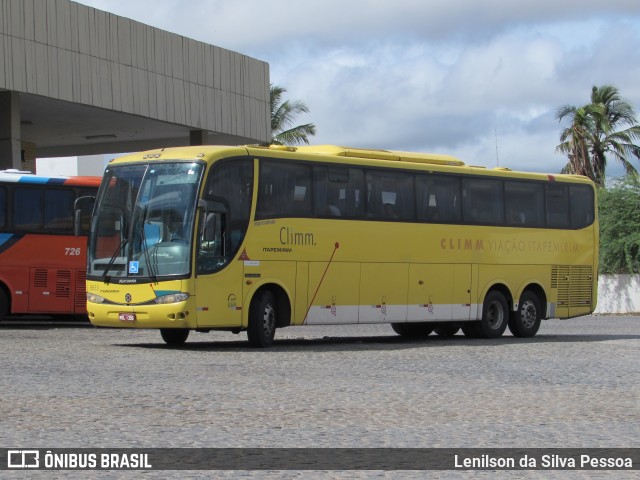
(219, 279)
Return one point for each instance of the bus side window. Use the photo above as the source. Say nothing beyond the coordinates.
(557, 199)
(336, 190)
(581, 199)
(27, 209)
(325, 196)
(284, 191)
(483, 201)
(390, 195)
(438, 198)
(58, 211)
(3, 207)
(524, 202)
(232, 182)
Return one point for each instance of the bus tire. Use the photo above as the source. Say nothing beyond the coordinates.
(262, 320)
(446, 330)
(470, 329)
(174, 336)
(4, 305)
(412, 330)
(495, 316)
(525, 321)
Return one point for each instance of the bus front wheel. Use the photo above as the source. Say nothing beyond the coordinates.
(262, 320)
(174, 336)
(525, 322)
(4, 305)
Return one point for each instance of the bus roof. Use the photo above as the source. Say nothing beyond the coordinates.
(327, 150)
(376, 154)
(448, 162)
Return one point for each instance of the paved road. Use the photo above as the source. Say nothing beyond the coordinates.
(576, 384)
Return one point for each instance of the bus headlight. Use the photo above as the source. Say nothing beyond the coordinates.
(93, 298)
(172, 298)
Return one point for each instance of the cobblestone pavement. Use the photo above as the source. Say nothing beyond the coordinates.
(576, 384)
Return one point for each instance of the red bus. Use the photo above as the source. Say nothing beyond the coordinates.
(42, 263)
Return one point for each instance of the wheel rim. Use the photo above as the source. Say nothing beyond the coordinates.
(495, 315)
(269, 320)
(528, 314)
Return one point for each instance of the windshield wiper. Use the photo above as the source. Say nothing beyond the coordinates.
(145, 247)
(105, 276)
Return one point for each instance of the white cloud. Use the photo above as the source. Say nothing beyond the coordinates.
(441, 76)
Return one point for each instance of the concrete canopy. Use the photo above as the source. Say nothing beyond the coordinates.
(60, 128)
(75, 80)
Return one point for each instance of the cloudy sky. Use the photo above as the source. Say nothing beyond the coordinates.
(477, 79)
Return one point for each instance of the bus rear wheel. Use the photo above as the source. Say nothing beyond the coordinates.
(262, 320)
(446, 330)
(412, 330)
(495, 316)
(174, 336)
(525, 322)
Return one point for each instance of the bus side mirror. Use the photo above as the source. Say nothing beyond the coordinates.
(213, 238)
(82, 208)
(211, 226)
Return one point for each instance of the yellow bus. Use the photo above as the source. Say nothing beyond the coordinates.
(258, 238)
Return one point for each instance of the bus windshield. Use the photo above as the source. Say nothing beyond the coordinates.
(143, 222)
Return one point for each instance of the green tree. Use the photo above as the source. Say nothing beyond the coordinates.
(577, 138)
(605, 127)
(283, 115)
(619, 211)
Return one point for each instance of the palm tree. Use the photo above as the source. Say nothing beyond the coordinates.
(577, 138)
(282, 117)
(617, 113)
(594, 132)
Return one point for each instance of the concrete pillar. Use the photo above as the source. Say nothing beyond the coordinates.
(197, 137)
(10, 147)
(28, 154)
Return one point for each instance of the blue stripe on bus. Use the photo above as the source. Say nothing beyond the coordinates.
(4, 237)
(42, 180)
(162, 293)
(32, 179)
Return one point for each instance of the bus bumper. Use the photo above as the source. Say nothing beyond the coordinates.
(175, 315)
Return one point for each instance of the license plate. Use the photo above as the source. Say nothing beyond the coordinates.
(127, 317)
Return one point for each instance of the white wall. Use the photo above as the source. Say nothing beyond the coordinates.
(618, 294)
(57, 167)
(88, 165)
